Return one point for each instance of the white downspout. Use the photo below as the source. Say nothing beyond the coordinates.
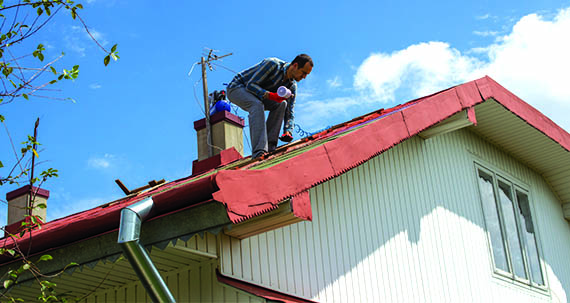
(129, 233)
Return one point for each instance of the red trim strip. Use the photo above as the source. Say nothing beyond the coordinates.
(260, 291)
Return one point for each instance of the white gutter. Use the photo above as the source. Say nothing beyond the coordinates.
(129, 234)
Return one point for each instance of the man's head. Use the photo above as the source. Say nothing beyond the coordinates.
(301, 66)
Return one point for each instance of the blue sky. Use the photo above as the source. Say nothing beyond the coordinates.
(133, 120)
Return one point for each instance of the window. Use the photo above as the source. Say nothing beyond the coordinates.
(510, 228)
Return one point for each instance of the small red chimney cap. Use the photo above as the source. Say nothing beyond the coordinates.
(39, 192)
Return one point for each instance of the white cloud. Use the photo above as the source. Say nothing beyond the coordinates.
(486, 33)
(317, 114)
(483, 17)
(335, 82)
(104, 162)
(95, 86)
(531, 61)
(76, 48)
(78, 40)
(429, 66)
(100, 37)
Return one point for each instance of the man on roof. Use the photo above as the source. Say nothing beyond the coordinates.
(255, 91)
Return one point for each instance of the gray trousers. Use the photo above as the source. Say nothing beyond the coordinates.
(263, 134)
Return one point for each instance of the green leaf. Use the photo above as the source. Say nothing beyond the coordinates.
(26, 266)
(80, 6)
(11, 251)
(42, 205)
(25, 96)
(45, 258)
(53, 70)
(106, 60)
(40, 11)
(73, 14)
(7, 283)
(1, 165)
(41, 56)
(114, 48)
(2, 118)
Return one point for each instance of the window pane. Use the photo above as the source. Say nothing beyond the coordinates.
(492, 220)
(525, 218)
(507, 206)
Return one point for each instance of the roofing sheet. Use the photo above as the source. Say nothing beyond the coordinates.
(252, 187)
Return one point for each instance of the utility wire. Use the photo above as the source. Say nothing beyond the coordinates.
(234, 107)
(196, 97)
(224, 67)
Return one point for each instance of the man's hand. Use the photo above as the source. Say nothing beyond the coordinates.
(286, 137)
(275, 97)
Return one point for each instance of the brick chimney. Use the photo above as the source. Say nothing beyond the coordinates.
(19, 202)
(227, 139)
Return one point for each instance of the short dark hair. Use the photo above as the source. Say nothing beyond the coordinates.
(301, 60)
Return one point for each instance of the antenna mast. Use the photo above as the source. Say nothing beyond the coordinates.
(204, 62)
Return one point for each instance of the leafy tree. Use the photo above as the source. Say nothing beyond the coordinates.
(25, 72)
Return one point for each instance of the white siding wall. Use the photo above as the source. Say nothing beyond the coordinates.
(406, 226)
(190, 284)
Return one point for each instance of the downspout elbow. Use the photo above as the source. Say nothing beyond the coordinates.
(129, 235)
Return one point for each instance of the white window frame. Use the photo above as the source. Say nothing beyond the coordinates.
(515, 186)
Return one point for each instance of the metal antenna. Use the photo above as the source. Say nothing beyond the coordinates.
(206, 61)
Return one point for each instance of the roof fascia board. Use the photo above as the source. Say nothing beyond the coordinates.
(453, 123)
(191, 221)
(272, 220)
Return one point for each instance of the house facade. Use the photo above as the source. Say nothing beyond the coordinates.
(409, 226)
(427, 202)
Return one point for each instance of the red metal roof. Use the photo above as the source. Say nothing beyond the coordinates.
(251, 187)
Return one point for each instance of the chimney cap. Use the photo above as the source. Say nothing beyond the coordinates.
(220, 116)
(25, 190)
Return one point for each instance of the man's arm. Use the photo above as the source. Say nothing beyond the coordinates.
(289, 119)
(265, 68)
